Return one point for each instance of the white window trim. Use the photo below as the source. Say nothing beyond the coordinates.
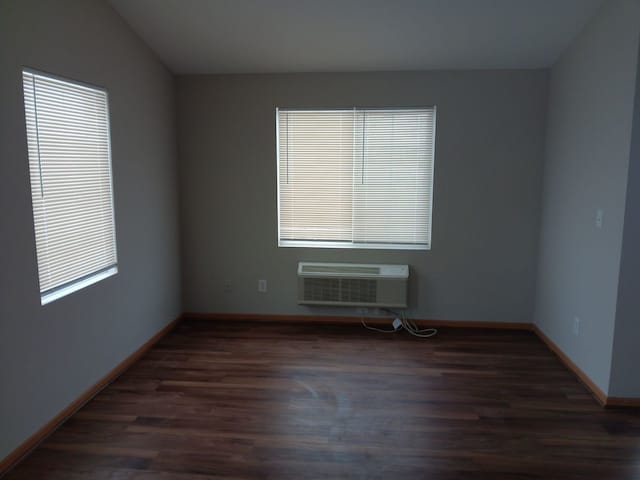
(77, 285)
(80, 283)
(354, 245)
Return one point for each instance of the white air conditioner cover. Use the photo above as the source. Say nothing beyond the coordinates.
(352, 270)
(352, 284)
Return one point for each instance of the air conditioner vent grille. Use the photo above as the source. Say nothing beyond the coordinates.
(340, 290)
(322, 289)
(358, 290)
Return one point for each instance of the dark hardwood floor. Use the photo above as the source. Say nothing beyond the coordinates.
(281, 401)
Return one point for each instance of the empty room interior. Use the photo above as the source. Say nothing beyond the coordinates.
(273, 239)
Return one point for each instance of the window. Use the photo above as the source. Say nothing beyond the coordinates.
(355, 178)
(70, 169)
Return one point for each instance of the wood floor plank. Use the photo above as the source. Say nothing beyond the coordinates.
(243, 400)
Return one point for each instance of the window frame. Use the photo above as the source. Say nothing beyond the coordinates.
(79, 282)
(328, 244)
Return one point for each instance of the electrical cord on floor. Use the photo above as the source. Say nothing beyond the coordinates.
(412, 327)
(369, 327)
(405, 324)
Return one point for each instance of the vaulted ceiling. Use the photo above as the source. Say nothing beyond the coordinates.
(232, 36)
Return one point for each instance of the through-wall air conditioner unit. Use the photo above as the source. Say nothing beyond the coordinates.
(352, 284)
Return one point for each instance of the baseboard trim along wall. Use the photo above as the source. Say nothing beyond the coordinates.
(598, 394)
(626, 402)
(354, 320)
(34, 440)
(21, 451)
(601, 397)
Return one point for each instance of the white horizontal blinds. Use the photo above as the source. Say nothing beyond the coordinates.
(393, 173)
(70, 168)
(358, 177)
(315, 174)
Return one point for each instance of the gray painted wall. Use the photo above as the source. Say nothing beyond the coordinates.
(625, 378)
(49, 355)
(591, 93)
(488, 166)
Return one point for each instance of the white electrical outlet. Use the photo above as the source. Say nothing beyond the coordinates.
(576, 326)
(599, 217)
(262, 286)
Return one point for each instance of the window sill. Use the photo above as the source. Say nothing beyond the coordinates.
(361, 246)
(77, 285)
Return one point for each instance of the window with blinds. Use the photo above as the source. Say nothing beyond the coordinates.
(355, 178)
(70, 169)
